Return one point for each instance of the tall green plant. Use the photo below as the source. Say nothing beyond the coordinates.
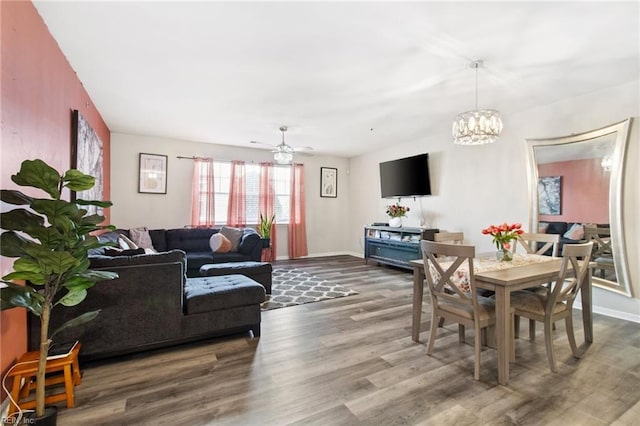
(264, 226)
(50, 238)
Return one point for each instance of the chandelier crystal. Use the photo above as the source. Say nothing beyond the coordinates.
(477, 127)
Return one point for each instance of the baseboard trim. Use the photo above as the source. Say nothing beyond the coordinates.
(331, 253)
(613, 313)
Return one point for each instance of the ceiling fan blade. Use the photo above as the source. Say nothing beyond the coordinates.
(268, 145)
(302, 149)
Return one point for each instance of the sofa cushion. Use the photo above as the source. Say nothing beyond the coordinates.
(123, 252)
(107, 237)
(190, 239)
(575, 232)
(205, 294)
(219, 243)
(141, 237)
(249, 241)
(234, 235)
(141, 259)
(557, 228)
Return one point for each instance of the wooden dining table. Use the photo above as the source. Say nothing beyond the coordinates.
(503, 282)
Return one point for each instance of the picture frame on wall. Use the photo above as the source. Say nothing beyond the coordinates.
(550, 195)
(87, 157)
(153, 174)
(328, 182)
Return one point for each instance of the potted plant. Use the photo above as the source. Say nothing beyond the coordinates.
(49, 237)
(264, 229)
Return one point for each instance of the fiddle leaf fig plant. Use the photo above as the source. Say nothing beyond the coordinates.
(50, 238)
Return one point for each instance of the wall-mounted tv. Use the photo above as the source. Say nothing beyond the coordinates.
(405, 177)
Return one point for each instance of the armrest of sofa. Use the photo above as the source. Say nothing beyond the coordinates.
(141, 307)
(250, 244)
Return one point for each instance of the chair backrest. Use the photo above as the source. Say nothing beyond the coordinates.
(451, 237)
(573, 272)
(601, 238)
(440, 280)
(550, 241)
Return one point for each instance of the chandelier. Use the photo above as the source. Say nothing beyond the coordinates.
(607, 163)
(477, 127)
(283, 154)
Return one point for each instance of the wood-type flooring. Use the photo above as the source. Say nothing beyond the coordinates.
(351, 361)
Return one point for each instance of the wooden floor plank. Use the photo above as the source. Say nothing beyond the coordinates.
(351, 361)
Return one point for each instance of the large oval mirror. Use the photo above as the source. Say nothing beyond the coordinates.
(575, 185)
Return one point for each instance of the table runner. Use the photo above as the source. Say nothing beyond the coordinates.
(485, 264)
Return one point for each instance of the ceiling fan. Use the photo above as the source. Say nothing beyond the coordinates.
(283, 153)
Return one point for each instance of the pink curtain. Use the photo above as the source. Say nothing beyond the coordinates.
(266, 205)
(297, 221)
(237, 210)
(202, 193)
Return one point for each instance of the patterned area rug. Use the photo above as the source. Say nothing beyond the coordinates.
(294, 287)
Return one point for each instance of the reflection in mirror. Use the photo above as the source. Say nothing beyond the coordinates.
(575, 185)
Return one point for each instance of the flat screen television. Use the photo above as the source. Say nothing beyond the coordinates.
(405, 177)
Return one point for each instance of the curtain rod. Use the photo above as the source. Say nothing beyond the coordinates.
(182, 157)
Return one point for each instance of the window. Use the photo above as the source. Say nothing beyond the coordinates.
(222, 184)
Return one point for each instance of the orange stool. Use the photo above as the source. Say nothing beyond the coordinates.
(69, 367)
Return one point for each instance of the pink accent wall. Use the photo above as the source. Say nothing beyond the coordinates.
(39, 91)
(585, 191)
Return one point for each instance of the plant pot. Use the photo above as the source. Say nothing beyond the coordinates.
(266, 242)
(395, 222)
(50, 417)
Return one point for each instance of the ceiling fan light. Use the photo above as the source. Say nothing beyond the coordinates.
(284, 155)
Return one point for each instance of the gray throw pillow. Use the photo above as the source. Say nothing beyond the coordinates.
(141, 237)
(234, 235)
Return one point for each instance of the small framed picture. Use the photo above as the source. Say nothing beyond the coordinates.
(153, 174)
(328, 182)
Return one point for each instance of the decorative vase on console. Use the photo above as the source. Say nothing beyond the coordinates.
(502, 237)
(396, 213)
(395, 222)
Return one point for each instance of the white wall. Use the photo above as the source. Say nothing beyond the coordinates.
(326, 224)
(480, 185)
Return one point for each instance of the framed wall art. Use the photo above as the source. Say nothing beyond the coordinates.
(86, 156)
(153, 174)
(550, 195)
(328, 182)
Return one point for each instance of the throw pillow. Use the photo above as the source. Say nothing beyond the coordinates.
(234, 235)
(576, 232)
(141, 237)
(542, 227)
(219, 243)
(124, 240)
(119, 252)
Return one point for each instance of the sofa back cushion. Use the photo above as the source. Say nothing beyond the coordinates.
(190, 239)
(557, 228)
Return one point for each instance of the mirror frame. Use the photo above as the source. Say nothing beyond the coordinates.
(616, 187)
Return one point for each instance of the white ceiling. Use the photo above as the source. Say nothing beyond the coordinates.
(346, 77)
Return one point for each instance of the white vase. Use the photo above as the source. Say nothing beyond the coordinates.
(395, 222)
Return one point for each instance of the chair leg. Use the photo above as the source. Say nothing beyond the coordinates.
(513, 338)
(460, 333)
(516, 327)
(568, 321)
(476, 347)
(548, 341)
(441, 322)
(432, 333)
(532, 330)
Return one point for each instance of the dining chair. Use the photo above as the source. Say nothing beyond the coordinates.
(536, 243)
(449, 301)
(449, 237)
(557, 302)
(602, 253)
